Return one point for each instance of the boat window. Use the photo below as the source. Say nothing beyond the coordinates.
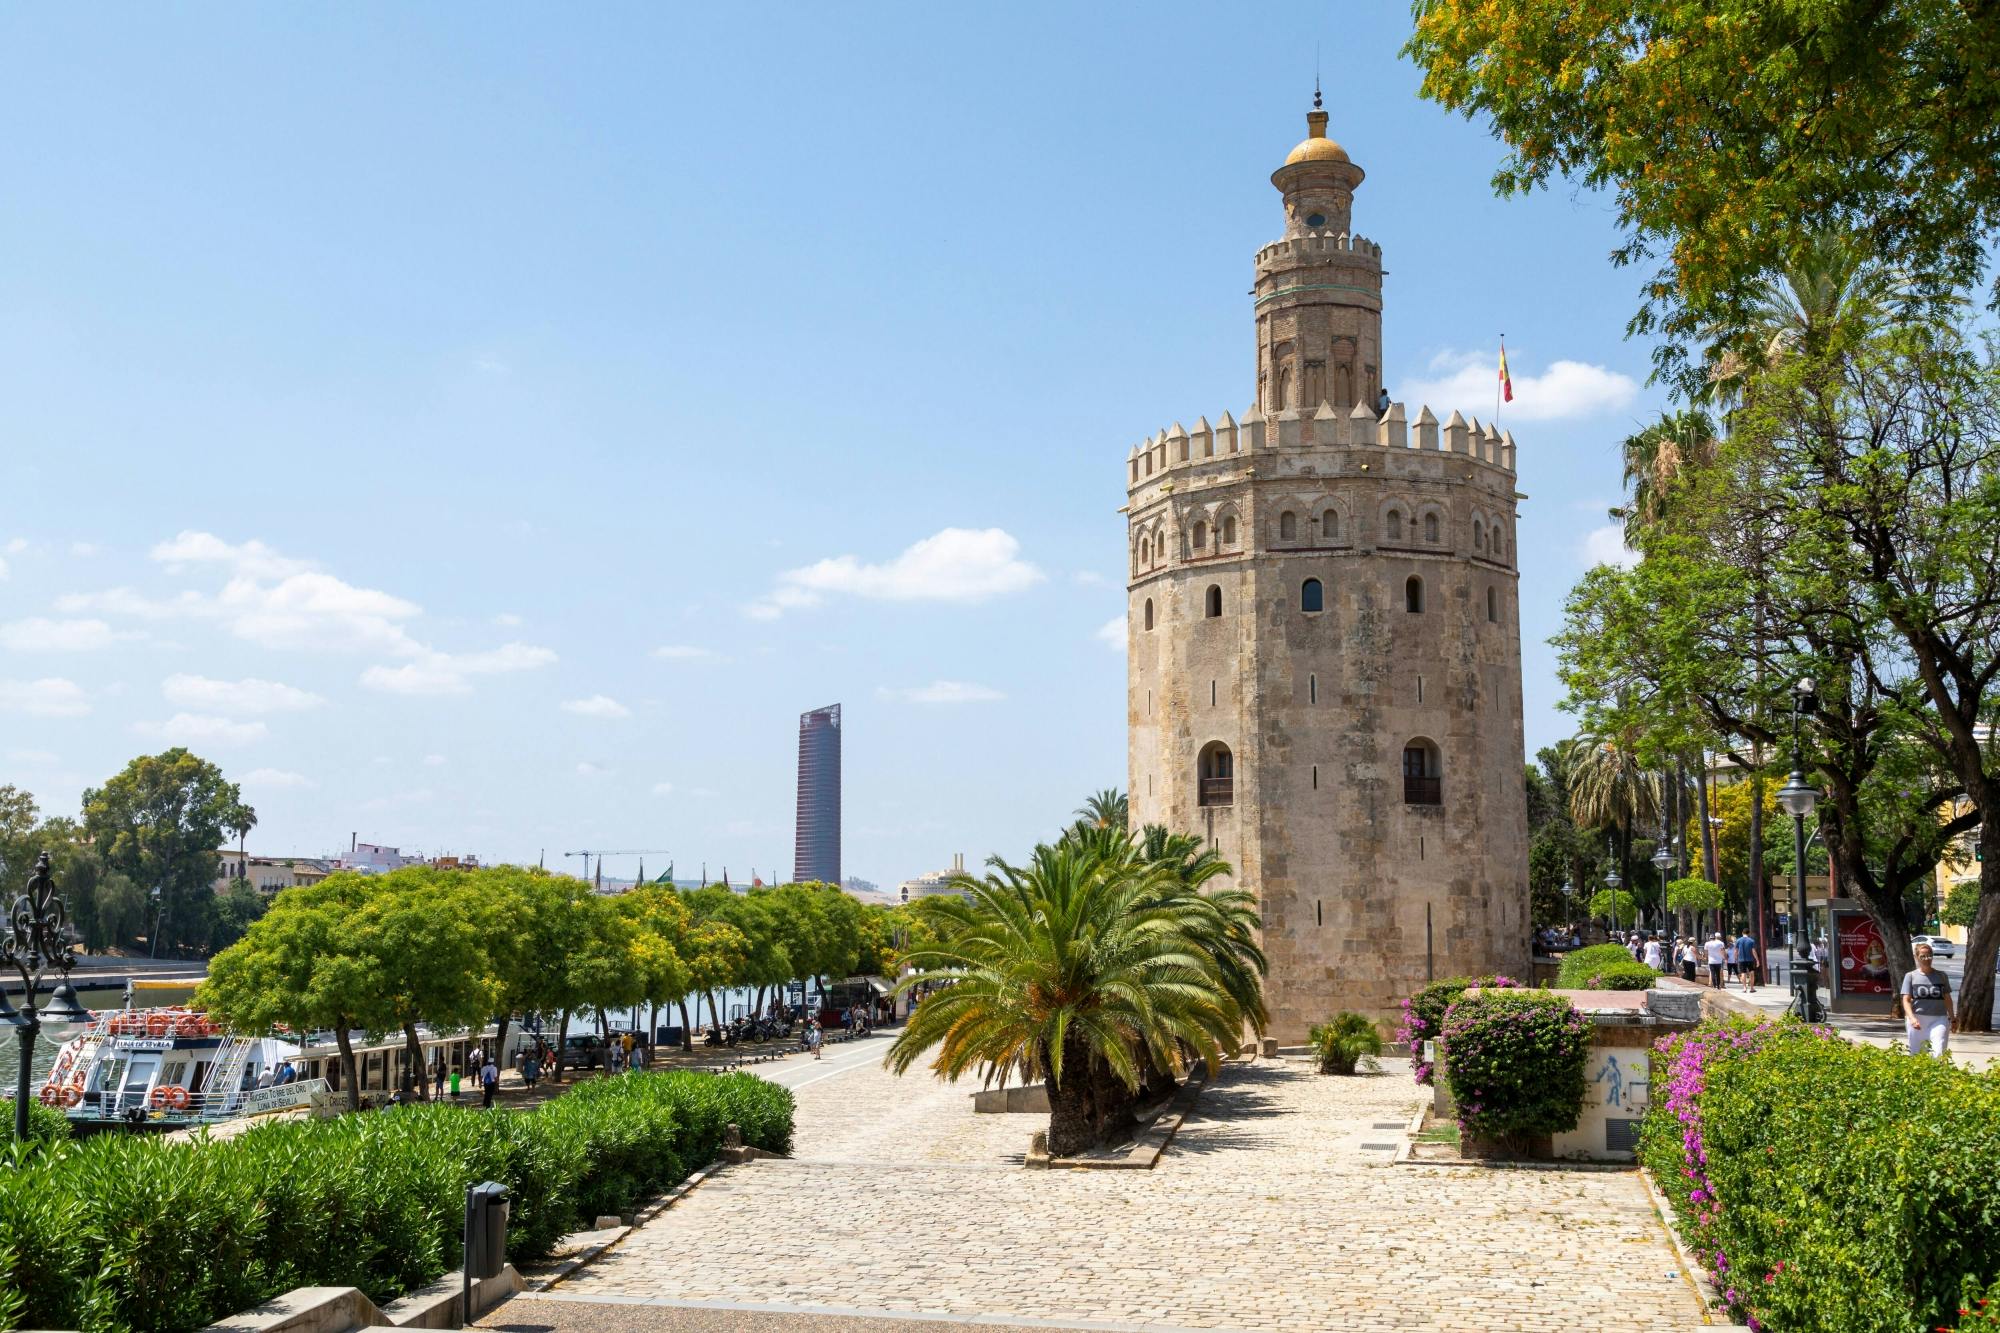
(141, 1072)
(107, 1073)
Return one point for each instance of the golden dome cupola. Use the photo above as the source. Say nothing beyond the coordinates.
(1318, 179)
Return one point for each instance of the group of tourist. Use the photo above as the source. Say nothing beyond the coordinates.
(1724, 960)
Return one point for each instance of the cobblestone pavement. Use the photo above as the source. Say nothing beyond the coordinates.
(1276, 1208)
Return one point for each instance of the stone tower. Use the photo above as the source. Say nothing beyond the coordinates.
(1324, 640)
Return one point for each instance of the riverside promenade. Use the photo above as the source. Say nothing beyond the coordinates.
(1276, 1207)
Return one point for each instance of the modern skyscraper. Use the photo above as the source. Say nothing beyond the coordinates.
(816, 848)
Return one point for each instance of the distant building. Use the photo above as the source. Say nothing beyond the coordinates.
(933, 884)
(268, 874)
(816, 848)
(858, 886)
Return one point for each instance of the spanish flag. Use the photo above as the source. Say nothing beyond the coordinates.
(1506, 381)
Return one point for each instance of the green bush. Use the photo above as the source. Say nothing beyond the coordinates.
(1826, 1185)
(1603, 967)
(1423, 1015)
(128, 1233)
(1343, 1044)
(1514, 1062)
(45, 1124)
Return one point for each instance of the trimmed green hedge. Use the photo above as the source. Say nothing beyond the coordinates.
(1514, 1062)
(1603, 967)
(117, 1232)
(1825, 1185)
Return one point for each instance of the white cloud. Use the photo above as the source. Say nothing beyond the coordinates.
(1606, 546)
(663, 789)
(586, 769)
(507, 620)
(1465, 381)
(16, 545)
(945, 692)
(1088, 578)
(682, 652)
(955, 565)
(1112, 634)
(249, 695)
(83, 550)
(434, 761)
(203, 729)
(597, 705)
(3, 569)
(51, 696)
(445, 673)
(275, 778)
(251, 558)
(38, 634)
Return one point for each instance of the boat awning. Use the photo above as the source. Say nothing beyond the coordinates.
(876, 984)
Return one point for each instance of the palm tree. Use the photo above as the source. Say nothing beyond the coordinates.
(1341, 1044)
(1610, 790)
(1067, 968)
(1655, 458)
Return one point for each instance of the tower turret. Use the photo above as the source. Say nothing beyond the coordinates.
(1319, 289)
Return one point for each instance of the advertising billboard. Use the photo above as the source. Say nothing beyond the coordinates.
(1859, 957)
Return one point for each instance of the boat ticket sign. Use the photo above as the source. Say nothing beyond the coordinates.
(283, 1098)
(142, 1043)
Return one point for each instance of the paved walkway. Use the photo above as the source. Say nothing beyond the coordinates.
(1276, 1208)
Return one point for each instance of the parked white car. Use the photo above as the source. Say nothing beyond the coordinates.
(1940, 946)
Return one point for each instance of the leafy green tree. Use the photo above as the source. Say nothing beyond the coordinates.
(426, 938)
(1728, 136)
(1617, 906)
(302, 965)
(1343, 1044)
(1073, 962)
(19, 818)
(1693, 895)
(1961, 904)
(158, 823)
(717, 953)
(661, 921)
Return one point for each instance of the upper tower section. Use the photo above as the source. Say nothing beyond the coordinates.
(1319, 289)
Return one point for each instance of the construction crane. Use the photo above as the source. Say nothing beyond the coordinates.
(598, 881)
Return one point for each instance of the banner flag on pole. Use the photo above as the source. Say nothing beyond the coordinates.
(1506, 381)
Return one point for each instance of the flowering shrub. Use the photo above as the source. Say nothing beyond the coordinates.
(1423, 1015)
(1603, 967)
(1514, 1062)
(1825, 1185)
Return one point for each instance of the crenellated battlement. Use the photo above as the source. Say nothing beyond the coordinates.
(1315, 244)
(1294, 429)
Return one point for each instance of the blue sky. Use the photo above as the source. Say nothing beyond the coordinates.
(539, 411)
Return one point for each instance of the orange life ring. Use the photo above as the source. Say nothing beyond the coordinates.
(70, 1096)
(157, 1098)
(177, 1099)
(156, 1025)
(49, 1096)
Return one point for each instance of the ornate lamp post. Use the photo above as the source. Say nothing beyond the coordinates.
(1612, 880)
(1662, 858)
(35, 941)
(1797, 799)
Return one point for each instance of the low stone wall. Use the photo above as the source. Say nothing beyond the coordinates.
(1032, 1099)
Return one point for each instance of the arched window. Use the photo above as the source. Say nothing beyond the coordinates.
(1393, 525)
(1200, 535)
(1284, 389)
(1423, 777)
(1212, 603)
(1288, 526)
(1312, 597)
(1493, 605)
(1216, 774)
(1145, 550)
(1229, 529)
(1149, 613)
(1478, 535)
(1329, 526)
(1430, 527)
(1413, 594)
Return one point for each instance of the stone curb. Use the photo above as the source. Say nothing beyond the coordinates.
(1691, 1269)
(1147, 1149)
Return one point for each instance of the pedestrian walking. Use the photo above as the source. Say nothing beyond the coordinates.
(489, 1082)
(1927, 1005)
(813, 1037)
(454, 1085)
(614, 1059)
(1717, 955)
(438, 1073)
(1687, 959)
(1653, 956)
(531, 1071)
(1746, 960)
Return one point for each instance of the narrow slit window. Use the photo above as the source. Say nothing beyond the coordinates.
(1315, 768)
(1413, 595)
(1312, 689)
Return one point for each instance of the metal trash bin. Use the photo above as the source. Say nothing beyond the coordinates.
(486, 1210)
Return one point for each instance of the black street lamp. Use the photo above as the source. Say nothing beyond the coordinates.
(1797, 799)
(1611, 881)
(35, 940)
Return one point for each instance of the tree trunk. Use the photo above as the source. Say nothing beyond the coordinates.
(714, 1010)
(413, 1052)
(687, 1026)
(500, 1026)
(1072, 1121)
(1982, 942)
(1759, 892)
(348, 1070)
(562, 1046)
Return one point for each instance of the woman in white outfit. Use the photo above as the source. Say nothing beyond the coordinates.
(1927, 1004)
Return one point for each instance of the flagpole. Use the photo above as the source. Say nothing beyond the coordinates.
(1497, 383)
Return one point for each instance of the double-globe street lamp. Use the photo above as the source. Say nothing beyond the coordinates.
(1611, 881)
(36, 939)
(1797, 799)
